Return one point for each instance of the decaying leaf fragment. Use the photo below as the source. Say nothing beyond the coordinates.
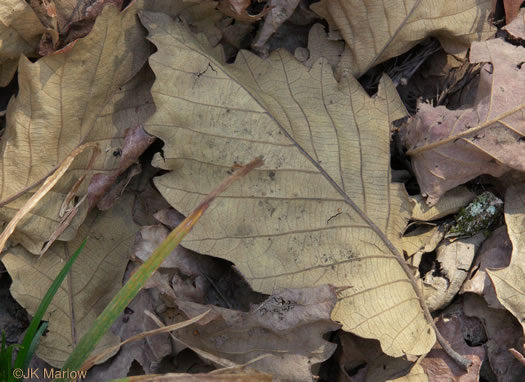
(375, 30)
(450, 147)
(321, 209)
(66, 100)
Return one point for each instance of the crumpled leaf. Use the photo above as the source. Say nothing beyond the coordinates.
(280, 11)
(289, 326)
(449, 204)
(451, 147)
(453, 262)
(439, 366)
(66, 100)
(493, 254)
(321, 209)
(509, 282)
(20, 32)
(503, 332)
(393, 30)
(93, 280)
(148, 352)
(423, 239)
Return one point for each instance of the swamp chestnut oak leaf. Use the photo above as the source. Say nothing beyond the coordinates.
(450, 147)
(377, 30)
(65, 100)
(321, 210)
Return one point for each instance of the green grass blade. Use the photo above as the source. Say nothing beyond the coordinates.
(34, 343)
(22, 355)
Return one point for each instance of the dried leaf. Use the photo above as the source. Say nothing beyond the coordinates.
(393, 30)
(452, 265)
(93, 280)
(20, 32)
(280, 11)
(289, 326)
(364, 359)
(423, 239)
(516, 28)
(494, 254)
(449, 204)
(321, 210)
(439, 366)
(319, 46)
(503, 332)
(512, 8)
(509, 282)
(237, 10)
(450, 147)
(66, 100)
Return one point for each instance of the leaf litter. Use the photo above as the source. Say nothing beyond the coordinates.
(314, 241)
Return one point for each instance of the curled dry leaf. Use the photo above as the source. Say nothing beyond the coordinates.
(20, 32)
(450, 147)
(450, 270)
(509, 282)
(321, 210)
(494, 254)
(280, 11)
(512, 7)
(517, 27)
(289, 326)
(93, 280)
(393, 30)
(449, 204)
(66, 100)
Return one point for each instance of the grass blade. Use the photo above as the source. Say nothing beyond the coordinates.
(22, 355)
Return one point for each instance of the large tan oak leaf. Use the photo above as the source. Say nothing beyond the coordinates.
(96, 276)
(66, 100)
(321, 210)
(376, 30)
(20, 32)
(509, 282)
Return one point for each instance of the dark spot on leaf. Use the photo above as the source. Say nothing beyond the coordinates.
(271, 174)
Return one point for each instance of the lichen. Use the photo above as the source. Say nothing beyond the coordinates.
(481, 214)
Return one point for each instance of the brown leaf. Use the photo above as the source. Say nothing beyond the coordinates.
(237, 10)
(450, 270)
(439, 366)
(393, 30)
(494, 254)
(503, 332)
(65, 100)
(289, 326)
(360, 359)
(450, 147)
(94, 279)
(512, 7)
(20, 32)
(280, 11)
